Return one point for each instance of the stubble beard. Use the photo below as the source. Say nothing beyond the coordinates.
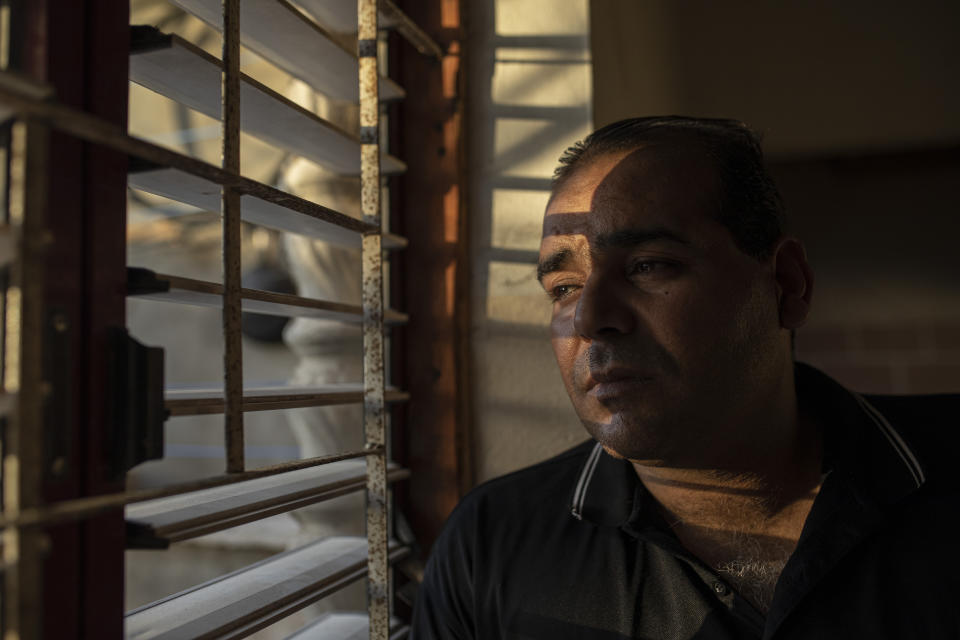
(641, 427)
(645, 432)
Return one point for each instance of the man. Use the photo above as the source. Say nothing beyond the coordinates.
(727, 492)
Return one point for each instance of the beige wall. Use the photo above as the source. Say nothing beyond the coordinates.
(813, 76)
(881, 236)
(528, 98)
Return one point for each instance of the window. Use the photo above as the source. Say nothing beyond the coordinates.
(66, 451)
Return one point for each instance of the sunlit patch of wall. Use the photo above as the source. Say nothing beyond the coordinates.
(529, 98)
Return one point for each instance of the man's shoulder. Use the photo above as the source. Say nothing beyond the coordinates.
(928, 419)
(930, 426)
(543, 488)
(929, 408)
(503, 536)
(548, 480)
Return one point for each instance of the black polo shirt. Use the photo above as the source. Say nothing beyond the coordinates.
(573, 548)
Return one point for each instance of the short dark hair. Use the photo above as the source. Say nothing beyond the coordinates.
(750, 207)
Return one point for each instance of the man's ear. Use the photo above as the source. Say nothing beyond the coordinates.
(794, 280)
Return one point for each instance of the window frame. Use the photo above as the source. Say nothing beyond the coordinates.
(78, 559)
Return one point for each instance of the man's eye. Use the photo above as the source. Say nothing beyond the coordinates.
(560, 291)
(648, 267)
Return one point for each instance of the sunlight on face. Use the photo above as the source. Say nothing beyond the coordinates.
(659, 321)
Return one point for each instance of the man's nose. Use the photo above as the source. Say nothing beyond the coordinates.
(602, 309)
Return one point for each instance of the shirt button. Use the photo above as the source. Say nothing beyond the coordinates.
(720, 588)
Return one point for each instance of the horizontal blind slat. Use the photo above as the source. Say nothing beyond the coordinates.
(308, 218)
(177, 69)
(89, 128)
(260, 592)
(201, 401)
(78, 508)
(338, 16)
(208, 294)
(281, 34)
(205, 511)
(345, 626)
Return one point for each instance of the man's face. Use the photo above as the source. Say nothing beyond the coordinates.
(666, 333)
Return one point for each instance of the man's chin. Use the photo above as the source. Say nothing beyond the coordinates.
(627, 439)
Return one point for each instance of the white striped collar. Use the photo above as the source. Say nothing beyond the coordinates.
(893, 437)
(860, 436)
(605, 489)
(871, 448)
(583, 481)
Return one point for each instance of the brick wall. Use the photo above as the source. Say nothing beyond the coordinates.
(881, 232)
(916, 357)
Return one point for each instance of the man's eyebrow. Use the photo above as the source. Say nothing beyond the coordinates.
(553, 262)
(626, 238)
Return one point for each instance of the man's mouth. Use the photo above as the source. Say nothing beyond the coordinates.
(614, 383)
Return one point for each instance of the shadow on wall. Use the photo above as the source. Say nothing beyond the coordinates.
(529, 96)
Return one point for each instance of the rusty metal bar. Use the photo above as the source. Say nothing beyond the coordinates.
(410, 30)
(22, 375)
(257, 400)
(374, 418)
(233, 345)
(208, 294)
(303, 43)
(86, 507)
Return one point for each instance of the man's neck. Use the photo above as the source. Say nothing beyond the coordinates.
(743, 517)
(765, 456)
(743, 496)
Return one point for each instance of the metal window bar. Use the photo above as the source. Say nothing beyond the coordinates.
(340, 16)
(34, 113)
(374, 423)
(230, 212)
(22, 383)
(190, 402)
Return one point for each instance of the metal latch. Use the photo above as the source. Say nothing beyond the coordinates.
(135, 432)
